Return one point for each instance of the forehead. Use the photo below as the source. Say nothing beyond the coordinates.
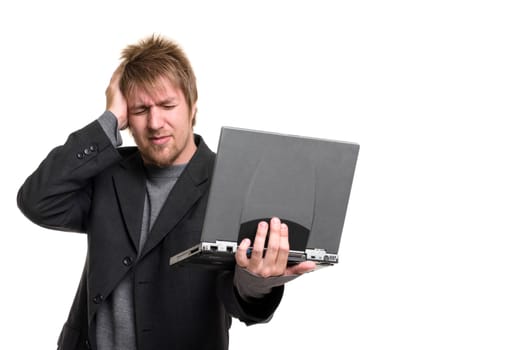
(161, 89)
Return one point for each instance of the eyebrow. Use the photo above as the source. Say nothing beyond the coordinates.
(168, 100)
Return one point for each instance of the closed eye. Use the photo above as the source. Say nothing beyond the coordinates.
(139, 111)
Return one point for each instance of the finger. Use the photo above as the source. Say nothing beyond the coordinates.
(113, 85)
(258, 245)
(299, 269)
(115, 100)
(241, 254)
(117, 73)
(284, 249)
(114, 80)
(274, 238)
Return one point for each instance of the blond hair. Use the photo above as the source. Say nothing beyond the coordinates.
(154, 57)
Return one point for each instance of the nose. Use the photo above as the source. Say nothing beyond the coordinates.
(155, 118)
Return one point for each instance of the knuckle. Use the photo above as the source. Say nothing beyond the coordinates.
(285, 245)
(273, 247)
(265, 273)
(257, 251)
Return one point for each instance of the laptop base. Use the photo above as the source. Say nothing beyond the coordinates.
(221, 254)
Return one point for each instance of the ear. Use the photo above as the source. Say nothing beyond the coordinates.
(194, 110)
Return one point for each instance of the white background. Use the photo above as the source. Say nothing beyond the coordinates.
(435, 248)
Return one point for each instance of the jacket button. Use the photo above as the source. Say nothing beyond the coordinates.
(98, 299)
(127, 261)
(93, 148)
(80, 155)
(87, 344)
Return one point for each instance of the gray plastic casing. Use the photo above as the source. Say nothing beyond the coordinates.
(262, 174)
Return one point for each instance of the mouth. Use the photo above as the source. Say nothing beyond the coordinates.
(159, 140)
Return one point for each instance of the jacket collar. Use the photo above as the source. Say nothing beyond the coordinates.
(130, 185)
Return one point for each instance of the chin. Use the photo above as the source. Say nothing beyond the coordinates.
(161, 163)
(156, 159)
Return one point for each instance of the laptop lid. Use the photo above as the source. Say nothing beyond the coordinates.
(304, 181)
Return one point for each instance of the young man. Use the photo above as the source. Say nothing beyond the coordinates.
(138, 206)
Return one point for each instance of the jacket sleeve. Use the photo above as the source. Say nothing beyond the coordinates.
(249, 311)
(57, 194)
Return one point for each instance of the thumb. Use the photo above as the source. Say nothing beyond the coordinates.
(299, 269)
(241, 254)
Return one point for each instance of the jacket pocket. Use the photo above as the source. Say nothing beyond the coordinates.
(69, 338)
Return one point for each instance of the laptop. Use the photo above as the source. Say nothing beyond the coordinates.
(304, 181)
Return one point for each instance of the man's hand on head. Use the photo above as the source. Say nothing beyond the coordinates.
(115, 100)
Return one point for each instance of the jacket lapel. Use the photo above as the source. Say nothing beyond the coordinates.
(130, 187)
(189, 188)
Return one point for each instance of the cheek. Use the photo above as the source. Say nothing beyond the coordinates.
(134, 133)
(134, 125)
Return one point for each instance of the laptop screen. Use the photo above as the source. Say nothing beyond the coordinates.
(306, 182)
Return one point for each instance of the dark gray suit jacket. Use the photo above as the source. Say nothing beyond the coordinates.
(89, 186)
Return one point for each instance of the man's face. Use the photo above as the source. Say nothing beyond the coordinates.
(161, 123)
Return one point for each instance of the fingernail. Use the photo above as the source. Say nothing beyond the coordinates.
(275, 220)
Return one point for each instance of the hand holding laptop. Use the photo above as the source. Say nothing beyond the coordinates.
(272, 260)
